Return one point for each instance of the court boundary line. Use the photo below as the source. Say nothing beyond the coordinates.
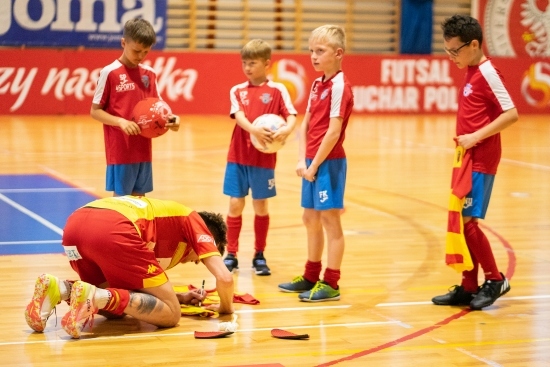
(31, 214)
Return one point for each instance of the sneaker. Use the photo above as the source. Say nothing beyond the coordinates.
(298, 285)
(231, 262)
(319, 293)
(46, 296)
(456, 296)
(489, 292)
(82, 309)
(260, 265)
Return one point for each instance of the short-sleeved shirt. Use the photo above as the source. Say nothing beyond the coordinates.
(327, 99)
(170, 229)
(119, 89)
(254, 101)
(481, 100)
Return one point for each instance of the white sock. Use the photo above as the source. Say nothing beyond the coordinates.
(64, 289)
(101, 297)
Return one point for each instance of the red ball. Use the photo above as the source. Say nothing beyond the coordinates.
(151, 114)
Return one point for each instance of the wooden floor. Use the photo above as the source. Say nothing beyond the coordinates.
(395, 221)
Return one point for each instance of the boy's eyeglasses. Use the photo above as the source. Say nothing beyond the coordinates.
(454, 52)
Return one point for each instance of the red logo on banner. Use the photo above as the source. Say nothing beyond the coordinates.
(516, 27)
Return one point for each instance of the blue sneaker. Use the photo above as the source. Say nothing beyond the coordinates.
(319, 293)
(260, 265)
(231, 262)
(297, 285)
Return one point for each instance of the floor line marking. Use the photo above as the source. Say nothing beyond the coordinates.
(481, 359)
(395, 304)
(28, 242)
(51, 189)
(293, 309)
(34, 216)
(157, 335)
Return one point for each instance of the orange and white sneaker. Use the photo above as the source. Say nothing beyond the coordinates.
(44, 300)
(82, 309)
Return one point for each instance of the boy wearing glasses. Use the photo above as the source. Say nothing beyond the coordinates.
(484, 109)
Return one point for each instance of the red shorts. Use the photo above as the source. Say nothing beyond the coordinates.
(104, 246)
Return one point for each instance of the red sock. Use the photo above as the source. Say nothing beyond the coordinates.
(118, 301)
(261, 225)
(234, 225)
(332, 276)
(481, 248)
(469, 277)
(313, 271)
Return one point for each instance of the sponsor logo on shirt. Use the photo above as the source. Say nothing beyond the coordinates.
(124, 84)
(151, 269)
(205, 238)
(243, 95)
(467, 90)
(133, 201)
(323, 196)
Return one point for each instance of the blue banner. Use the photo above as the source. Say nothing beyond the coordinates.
(416, 27)
(76, 23)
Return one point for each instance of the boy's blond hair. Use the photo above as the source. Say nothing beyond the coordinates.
(256, 49)
(334, 35)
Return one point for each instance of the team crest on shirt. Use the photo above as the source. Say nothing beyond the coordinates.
(324, 94)
(265, 98)
(145, 80)
(467, 90)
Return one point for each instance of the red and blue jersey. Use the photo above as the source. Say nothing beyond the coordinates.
(481, 100)
(327, 99)
(254, 101)
(119, 89)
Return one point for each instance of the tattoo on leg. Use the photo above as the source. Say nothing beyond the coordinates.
(143, 302)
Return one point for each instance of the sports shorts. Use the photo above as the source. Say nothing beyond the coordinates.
(102, 246)
(327, 191)
(239, 179)
(477, 200)
(125, 179)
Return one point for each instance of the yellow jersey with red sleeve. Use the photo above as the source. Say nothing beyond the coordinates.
(170, 229)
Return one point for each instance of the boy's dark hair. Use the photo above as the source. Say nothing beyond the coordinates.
(464, 27)
(217, 227)
(140, 31)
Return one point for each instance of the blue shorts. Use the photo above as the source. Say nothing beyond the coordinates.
(240, 178)
(327, 191)
(124, 179)
(477, 200)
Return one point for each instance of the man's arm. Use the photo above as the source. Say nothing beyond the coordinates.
(224, 282)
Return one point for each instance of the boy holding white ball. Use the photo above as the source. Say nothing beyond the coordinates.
(247, 167)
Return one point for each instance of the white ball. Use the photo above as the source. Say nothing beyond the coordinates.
(274, 123)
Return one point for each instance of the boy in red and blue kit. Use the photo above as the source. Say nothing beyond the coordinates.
(322, 164)
(121, 85)
(247, 167)
(484, 109)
